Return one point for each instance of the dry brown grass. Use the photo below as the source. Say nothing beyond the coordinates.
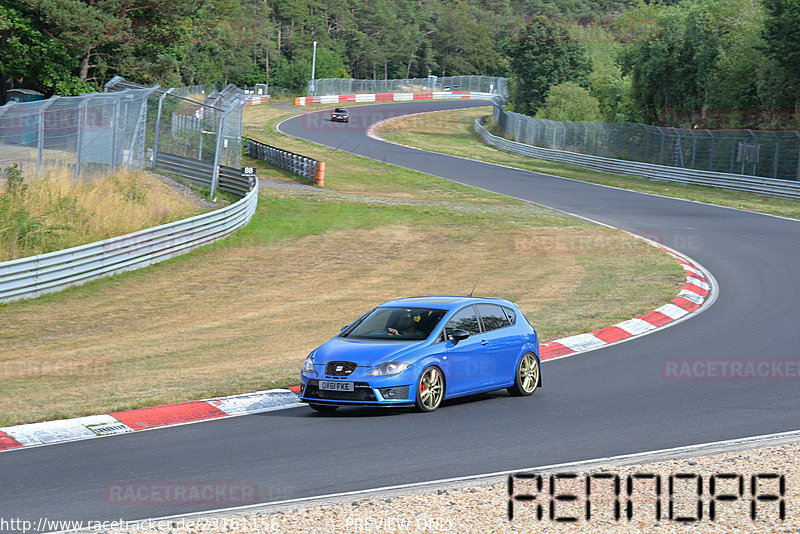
(89, 210)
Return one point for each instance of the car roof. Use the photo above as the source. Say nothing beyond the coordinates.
(445, 302)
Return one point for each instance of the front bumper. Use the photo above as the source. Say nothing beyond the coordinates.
(385, 393)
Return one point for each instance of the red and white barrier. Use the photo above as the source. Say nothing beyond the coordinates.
(257, 99)
(391, 97)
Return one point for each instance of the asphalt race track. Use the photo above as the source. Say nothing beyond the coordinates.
(608, 402)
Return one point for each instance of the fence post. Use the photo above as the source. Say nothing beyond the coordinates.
(81, 120)
(40, 143)
(157, 139)
(115, 125)
(711, 150)
(798, 156)
(215, 171)
(777, 154)
(138, 139)
(585, 136)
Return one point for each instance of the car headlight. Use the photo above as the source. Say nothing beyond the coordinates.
(308, 365)
(388, 369)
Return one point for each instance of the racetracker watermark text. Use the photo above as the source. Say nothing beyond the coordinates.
(730, 369)
(161, 493)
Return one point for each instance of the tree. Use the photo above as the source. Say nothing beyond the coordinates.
(465, 41)
(696, 57)
(542, 55)
(296, 74)
(29, 58)
(569, 102)
(82, 27)
(781, 30)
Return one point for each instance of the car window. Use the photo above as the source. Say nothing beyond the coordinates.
(464, 319)
(396, 323)
(492, 316)
(510, 314)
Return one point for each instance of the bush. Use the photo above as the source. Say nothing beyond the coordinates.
(569, 102)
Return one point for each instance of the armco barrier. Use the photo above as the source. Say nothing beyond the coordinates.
(738, 182)
(392, 97)
(54, 271)
(288, 161)
(201, 173)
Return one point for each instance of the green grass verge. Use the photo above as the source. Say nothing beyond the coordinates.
(453, 133)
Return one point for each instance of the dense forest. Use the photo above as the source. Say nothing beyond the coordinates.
(705, 63)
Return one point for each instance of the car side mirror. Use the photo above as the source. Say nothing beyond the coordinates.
(459, 335)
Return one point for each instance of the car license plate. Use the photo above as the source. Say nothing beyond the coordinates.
(336, 386)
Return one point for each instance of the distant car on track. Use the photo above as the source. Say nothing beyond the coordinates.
(421, 351)
(340, 115)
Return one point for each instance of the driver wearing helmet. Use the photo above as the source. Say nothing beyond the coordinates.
(407, 326)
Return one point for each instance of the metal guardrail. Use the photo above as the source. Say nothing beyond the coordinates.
(283, 159)
(47, 273)
(737, 182)
(201, 173)
(765, 154)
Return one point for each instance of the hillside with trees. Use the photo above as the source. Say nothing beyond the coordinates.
(703, 63)
(68, 46)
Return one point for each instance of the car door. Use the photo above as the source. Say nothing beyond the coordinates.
(469, 363)
(504, 342)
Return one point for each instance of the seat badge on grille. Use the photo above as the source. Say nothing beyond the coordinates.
(339, 368)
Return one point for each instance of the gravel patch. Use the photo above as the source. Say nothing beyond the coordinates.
(297, 186)
(483, 508)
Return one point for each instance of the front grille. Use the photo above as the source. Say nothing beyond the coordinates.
(340, 368)
(362, 392)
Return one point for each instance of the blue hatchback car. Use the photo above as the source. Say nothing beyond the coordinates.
(420, 351)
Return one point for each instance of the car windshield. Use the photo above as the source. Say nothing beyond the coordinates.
(396, 323)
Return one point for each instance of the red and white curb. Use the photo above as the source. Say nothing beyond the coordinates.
(391, 97)
(691, 298)
(14, 437)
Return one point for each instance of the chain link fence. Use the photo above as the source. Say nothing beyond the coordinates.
(198, 122)
(349, 86)
(126, 126)
(747, 152)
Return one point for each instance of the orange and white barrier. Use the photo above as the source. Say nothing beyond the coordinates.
(257, 99)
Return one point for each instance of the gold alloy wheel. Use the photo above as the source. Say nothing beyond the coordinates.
(430, 390)
(528, 373)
